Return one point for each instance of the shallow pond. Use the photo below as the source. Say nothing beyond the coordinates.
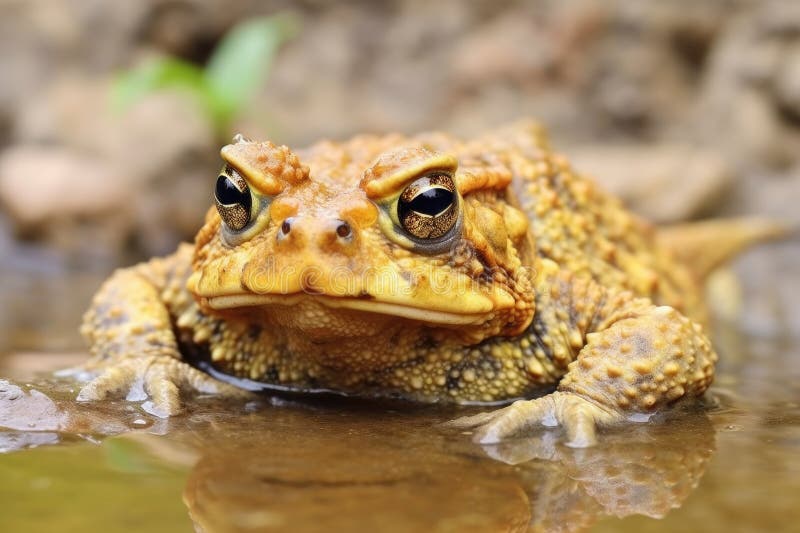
(327, 464)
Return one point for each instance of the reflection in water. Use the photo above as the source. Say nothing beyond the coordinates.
(346, 465)
(638, 470)
(322, 471)
(341, 474)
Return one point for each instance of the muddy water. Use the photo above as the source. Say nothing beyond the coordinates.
(277, 464)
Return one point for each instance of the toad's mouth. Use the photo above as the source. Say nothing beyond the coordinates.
(352, 304)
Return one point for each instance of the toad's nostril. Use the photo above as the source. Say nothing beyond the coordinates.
(344, 230)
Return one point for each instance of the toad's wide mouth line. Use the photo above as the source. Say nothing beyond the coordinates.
(354, 304)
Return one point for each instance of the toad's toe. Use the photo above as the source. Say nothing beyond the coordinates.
(157, 381)
(115, 379)
(578, 416)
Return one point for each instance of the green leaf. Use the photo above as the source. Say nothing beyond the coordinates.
(241, 61)
(235, 71)
(153, 75)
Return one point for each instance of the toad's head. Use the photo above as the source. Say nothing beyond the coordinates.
(359, 236)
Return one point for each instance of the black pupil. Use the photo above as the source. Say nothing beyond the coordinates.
(228, 194)
(431, 201)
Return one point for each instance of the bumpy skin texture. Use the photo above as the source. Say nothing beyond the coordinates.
(544, 281)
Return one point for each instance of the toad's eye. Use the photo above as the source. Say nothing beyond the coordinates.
(428, 207)
(234, 201)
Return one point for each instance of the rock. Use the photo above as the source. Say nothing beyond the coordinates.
(43, 41)
(40, 413)
(771, 287)
(77, 203)
(787, 84)
(779, 17)
(28, 410)
(493, 51)
(151, 167)
(665, 183)
(77, 112)
(43, 184)
(749, 99)
(760, 137)
(168, 146)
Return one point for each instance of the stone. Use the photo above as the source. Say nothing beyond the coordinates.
(787, 84)
(665, 182)
(151, 166)
(28, 410)
(42, 184)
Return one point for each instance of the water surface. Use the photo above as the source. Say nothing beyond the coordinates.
(267, 463)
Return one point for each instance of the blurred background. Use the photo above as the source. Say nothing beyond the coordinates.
(112, 114)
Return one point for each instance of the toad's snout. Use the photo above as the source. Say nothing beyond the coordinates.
(328, 233)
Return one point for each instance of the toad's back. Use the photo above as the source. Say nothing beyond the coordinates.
(573, 222)
(586, 231)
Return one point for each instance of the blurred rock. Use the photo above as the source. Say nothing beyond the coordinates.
(169, 148)
(759, 133)
(76, 203)
(28, 410)
(5, 127)
(493, 51)
(771, 286)
(76, 111)
(42, 184)
(787, 84)
(151, 167)
(779, 17)
(749, 100)
(43, 39)
(665, 183)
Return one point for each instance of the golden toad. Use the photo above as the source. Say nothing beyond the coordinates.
(429, 268)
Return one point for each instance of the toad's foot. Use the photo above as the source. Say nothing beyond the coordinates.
(637, 359)
(578, 416)
(157, 381)
(136, 354)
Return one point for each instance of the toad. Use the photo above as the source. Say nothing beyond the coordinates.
(428, 268)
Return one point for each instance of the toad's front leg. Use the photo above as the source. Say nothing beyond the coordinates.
(637, 359)
(135, 352)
